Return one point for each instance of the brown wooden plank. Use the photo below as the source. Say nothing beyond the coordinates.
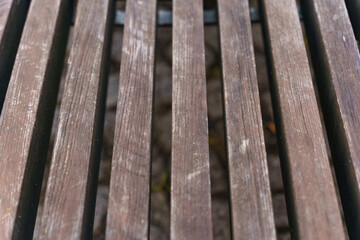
(250, 196)
(311, 193)
(129, 199)
(26, 119)
(71, 188)
(12, 19)
(353, 7)
(337, 61)
(190, 168)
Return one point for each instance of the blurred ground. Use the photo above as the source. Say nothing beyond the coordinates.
(160, 195)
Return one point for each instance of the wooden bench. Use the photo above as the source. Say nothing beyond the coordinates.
(31, 82)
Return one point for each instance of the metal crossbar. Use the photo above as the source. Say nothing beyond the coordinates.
(164, 17)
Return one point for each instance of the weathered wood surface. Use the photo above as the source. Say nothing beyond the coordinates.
(12, 18)
(26, 119)
(71, 188)
(190, 176)
(353, 7)
(129, 199)
(251, 205)
(337, 63)
(309, 184)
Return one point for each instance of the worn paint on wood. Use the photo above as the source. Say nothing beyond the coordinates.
(250, 196)
(12, 18)
(128, 211)
(190, 168)
(311, 193)
(27, 115)
(337, 63)
(71, 187)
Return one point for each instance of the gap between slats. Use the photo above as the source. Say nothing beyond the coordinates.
(12, 18)
(31, 131)
(270, 136)
(318, 100)
(353, 7)
(336, 62)
(104, 168)
(71, 189)
(300, 127)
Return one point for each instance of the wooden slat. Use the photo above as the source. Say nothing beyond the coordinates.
(129, 199)
(337, 61)
(190, 168)
(12, 18)
(311, 194)
(353, 7)
(71, 188)
(27, 115)
(251, 205)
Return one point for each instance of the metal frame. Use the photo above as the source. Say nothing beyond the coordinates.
(164, 17)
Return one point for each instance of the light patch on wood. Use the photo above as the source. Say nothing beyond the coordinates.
(193, 175)
(244, 145)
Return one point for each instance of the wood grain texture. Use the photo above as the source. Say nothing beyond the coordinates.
(129, 200)
(337, 63)
(353, 7)
(310, 191)
(250, 196)
(12, 19)
(190, 168)
(71, 188)
(26, 119)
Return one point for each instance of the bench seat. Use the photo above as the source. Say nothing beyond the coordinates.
(33, 38)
